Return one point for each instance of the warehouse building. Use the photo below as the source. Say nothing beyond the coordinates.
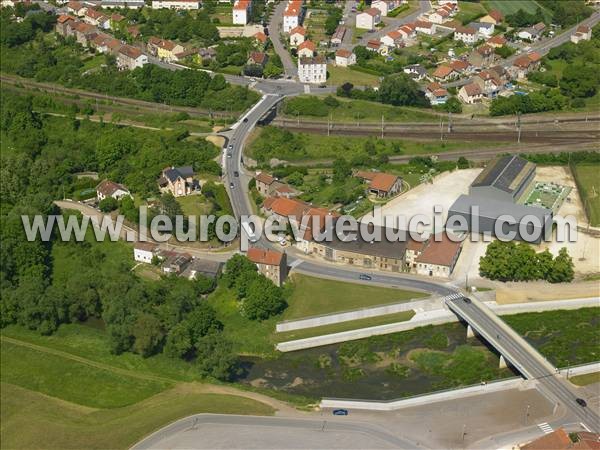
(494, 207)
(505, 179)
(481, 215)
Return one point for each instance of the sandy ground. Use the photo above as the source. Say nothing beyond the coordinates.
(540, 291)
(562, 175)
(217, 140)
(444, 190)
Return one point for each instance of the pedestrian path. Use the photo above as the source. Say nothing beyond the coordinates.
(547, 429)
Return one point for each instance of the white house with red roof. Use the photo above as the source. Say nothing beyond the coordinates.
(297, 36)
(344, 58)
(292, 16)
(307, 49)
(368, 19)
(385, 6)
(241, 12)
(270, 263)
(111, 189)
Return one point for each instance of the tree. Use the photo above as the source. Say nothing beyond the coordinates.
(401, 90)
(108, 204)
(235, 266)
(202, 321)
(179, 341)
(345, 89)
(562, 268)
(215, 357)
(253, 70)
(148, 335)
(263, 300)
(462, 163)
(579, 81)
(272, 71)
(341, 170)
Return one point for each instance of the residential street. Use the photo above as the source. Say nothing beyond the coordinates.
(275, 32)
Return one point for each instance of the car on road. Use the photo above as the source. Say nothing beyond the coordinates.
(340, 412)
(230, 147)
(364, 276)
(231, 185)
(245, 120)
(581, 402)
(229, 155)
(236, 174)
(467, 300)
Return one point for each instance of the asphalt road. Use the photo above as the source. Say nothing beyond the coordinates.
(237, 188)
(524, 357)
(275, 30)
(227, 431)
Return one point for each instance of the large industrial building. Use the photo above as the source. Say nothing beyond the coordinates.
(497, 195)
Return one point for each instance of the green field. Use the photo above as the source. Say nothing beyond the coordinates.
(344, 326)
(353, 110)
(584, 380)
(318, 296)
(33, 420)
(340, 75)
(468, 12)
(194, 205)
(586, 176)
(507, 7)
(72, 380)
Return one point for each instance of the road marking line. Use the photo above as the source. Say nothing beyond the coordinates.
(296, 263)
(547, 429)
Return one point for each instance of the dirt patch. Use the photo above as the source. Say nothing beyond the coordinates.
(217, 140)
(541, 291)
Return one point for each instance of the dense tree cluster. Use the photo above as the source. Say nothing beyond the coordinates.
(64, 62)
(559, 12)
(13, 33)
(259, 297)
(45, 284)
(544, 100)
(397, 89)
(509, 261)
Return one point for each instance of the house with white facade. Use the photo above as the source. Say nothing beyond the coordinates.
(582, 33)
(467, 35)
(470, 93)
(144, 252)
(385, 6)
(312, 70)
(307, 49)
(129, 58)
(368, 19)
(111, 189)
(297, 36)
(425, 27)
(292, 16)
(241, 12)
(344, 58)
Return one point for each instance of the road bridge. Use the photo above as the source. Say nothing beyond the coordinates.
(521, 355)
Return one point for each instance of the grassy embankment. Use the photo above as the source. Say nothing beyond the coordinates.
(586, 176)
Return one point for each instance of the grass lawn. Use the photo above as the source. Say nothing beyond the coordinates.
(586, 176)
(510, 7)
(194, 205)
(248, 337)
(366, 111)
(584, 380)
(344, 326)
(72, 380)
(33, 420)
(317, 296)
(469, 11)
(340, 75)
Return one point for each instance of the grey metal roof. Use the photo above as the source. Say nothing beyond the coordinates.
(505, 173)
(175, 172)
(492, 209)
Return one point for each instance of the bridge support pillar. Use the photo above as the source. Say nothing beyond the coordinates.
(502, 364)
(470, 332)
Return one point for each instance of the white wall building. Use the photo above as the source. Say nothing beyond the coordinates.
(292, 16)
(241, 12)
(368, 19)
(144, 252)
(312, 70)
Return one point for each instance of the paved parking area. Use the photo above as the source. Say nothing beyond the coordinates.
(443, 191)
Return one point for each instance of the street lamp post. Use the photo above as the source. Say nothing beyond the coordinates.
(527, 414)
